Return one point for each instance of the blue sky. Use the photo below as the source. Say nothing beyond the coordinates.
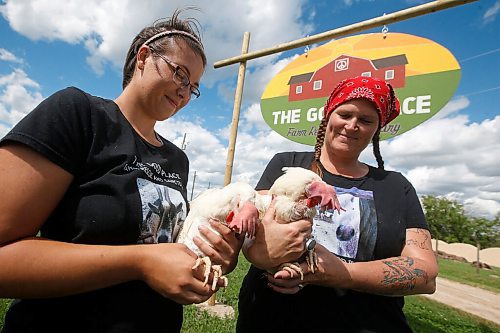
(48, 45)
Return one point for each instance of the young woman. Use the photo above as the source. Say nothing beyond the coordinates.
(370, 254)
(92, 198)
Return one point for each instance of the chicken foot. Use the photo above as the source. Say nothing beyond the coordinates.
(294, 268)
(209, 268)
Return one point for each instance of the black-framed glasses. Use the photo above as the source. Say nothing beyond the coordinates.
(181, 77)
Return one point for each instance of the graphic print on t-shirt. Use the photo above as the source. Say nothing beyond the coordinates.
(163, 212)
(350, 234)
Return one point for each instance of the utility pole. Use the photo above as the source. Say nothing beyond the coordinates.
(184, 144)
(192, 188)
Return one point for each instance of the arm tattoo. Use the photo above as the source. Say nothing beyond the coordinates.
(399, 274)
(423, 244)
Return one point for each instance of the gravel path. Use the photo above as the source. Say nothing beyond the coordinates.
(480, 302)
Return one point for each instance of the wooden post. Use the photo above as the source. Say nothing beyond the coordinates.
(478, 264)
(236, 111)
(234, 124)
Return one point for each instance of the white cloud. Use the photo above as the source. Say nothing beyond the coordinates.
(107, 27)
(351, 2)
(257, 79)
(5, 55)
(491, 13)
(453, 106)
(451, 155)
(253, 118)
(445, 141)
(18, 95)
(207, 151)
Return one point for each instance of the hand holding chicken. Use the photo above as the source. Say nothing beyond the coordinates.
(297, 192)
(238, 206)
(233, 206)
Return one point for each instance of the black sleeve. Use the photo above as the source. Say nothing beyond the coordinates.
(270, 174)
(415, 217)
(59, 128)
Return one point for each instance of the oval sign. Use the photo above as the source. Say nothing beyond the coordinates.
(423, 73)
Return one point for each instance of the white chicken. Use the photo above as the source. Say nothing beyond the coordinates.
(297, 192)
(240, 207)
(232, 205)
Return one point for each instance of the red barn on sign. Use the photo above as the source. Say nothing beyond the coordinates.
(321, 83)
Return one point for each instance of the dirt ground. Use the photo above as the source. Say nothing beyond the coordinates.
(490, 256)
(480, 302)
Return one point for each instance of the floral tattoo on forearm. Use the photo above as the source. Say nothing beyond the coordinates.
(401, 275)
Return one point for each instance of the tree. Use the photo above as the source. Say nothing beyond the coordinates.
(497, 230)
(486, 232)
(447, 221)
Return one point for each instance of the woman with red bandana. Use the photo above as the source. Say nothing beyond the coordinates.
(370, 254)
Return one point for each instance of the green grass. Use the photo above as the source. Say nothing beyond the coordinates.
(196, 321)
(4, 303)
(200, 321)
(424, 315)
(427, 316)
(466, 273)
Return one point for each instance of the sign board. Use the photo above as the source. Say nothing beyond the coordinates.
(423, 74)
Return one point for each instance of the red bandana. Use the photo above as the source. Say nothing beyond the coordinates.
(375, 90)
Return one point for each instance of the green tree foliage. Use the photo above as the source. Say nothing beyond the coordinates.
(486, 232)
(497, 230)
(446, 218)
(448, 222)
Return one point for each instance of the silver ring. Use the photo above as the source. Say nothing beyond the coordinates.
(310, 244)
(300, 286)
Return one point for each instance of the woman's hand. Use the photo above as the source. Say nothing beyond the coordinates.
(276, 243)
(413, 272)
(167, 268)
(223, 249)
(330, 272)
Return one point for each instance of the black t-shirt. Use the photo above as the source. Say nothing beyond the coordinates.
(125, 191)
(379, 207)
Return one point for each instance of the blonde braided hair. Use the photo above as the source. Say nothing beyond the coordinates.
(320, 138)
